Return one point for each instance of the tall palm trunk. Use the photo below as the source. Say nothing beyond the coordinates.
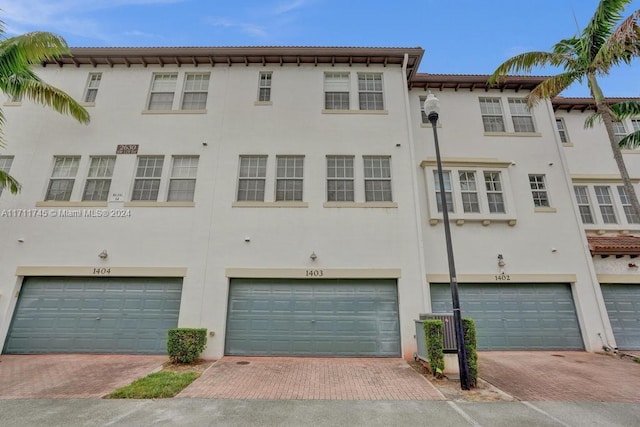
(607, 118)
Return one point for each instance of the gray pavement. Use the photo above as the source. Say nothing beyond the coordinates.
(207, 412)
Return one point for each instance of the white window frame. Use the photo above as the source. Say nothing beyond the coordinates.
(627, 208)
(256, 170)
(635, 124)
(65, 168)
(5, 166)
(618, 206)
(583, 200)
(562, 130)
(448, 191)
(341, 173)
(495, 104)
(539, 191)
(378, 185)
(169, 87)
(370, 85)
(182, 175)
(145, 178)
(519, 109)
(289, 178)
(100, 173)
(265, 79)
(91, 90)
(619, 130)
(337, 83)
(482, 189)
(469, 188)
(202, 89)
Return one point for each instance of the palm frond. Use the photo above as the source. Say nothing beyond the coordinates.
(7, 181)
(525, 62)
(592, 120)
(551, 87)
(45, 94)
(630, 141)
(620, 111)
(622, 46)
(31, 48)
(602, 23)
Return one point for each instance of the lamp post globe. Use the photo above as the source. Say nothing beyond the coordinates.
(432, 110)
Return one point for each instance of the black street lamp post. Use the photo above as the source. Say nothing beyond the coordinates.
(432, 109)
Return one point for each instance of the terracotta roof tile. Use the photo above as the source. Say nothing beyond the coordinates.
(614, 245)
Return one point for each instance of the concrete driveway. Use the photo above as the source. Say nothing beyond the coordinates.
(308, 378)
(70, 375)
(561, 375)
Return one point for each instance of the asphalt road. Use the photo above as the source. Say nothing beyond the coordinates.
(207, 412)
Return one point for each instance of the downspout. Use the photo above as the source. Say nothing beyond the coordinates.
(604, 316)
(426, 302)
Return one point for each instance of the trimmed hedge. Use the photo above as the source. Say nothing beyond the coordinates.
(434, 337)
(184, 345)
(470, 344)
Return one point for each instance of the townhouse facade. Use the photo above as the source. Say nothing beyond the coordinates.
(285, 199)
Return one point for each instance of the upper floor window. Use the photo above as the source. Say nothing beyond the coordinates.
(584, 205)
(336, 91)
(612, 205)
(163, 89)
(182, 184)
(289, 178)
(636, 124)
(619, 131)
(252, 177)
(264, 86)
(521, 116)
(5, 166)
(340, 179)
(196, 87)
(377, 178)
(562, 130)
(63, 177)
(605, 203)
(446, 179)
(629, 213)
(495, 195)
(539, 191)
(492, 117)
(93, 82)
(99, 178)
(370, 91)
(469, 191)
(147, 181)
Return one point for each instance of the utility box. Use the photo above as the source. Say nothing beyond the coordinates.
(450, 342)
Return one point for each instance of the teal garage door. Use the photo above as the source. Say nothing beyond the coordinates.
(94, 315)
(623, 307)
(313, 318)
(516, 317)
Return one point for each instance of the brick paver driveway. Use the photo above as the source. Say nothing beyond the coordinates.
(53, 376)
(561, 375)
(311, 378)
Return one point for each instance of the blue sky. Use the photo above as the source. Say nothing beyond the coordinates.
(459, 36)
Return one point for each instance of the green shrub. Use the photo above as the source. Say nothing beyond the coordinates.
(434, 336)
(185, 344)
(470, 344)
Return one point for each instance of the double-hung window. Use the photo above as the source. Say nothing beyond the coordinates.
(469, 191)
(635, 123)
(584, 205)
(163, 88)
(336, 91)
(91, 91)
(495, 195)
(289, 178)
(264, 86)
(370, 91)
(252, 177)
(196, 87)
(182, 184)
(377, 178)
(63, 177)
(99, 178)
(521, 116)
(147, 182)
(629, 213)
(539, 191)
(448, 194)
(492, 117)
(605, 203)
(619, 131)
(612, 206)
(5, 166)
(562, 130)
(340, 179)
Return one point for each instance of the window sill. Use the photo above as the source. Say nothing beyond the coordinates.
(601, 229)
(87, 104)
(63, 204)
(141, 204)
(428, 125)
(484, 221)
(360, 205)
(567, 144)
(522, 134)
(270, 205)
(545, 209)
(630, 151)
(152, 112)
(262, 103)
(374, 112)
(12, 104)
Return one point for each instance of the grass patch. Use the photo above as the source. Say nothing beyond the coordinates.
(155, 386)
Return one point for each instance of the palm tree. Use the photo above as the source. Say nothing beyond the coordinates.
(18, 80)
(607, 41)
(620, 112)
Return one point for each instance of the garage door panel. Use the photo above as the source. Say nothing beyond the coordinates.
(323, 317)
(623, 307)
(91, 315)
(522, 316)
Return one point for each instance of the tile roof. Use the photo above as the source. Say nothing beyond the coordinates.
(614, 245)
